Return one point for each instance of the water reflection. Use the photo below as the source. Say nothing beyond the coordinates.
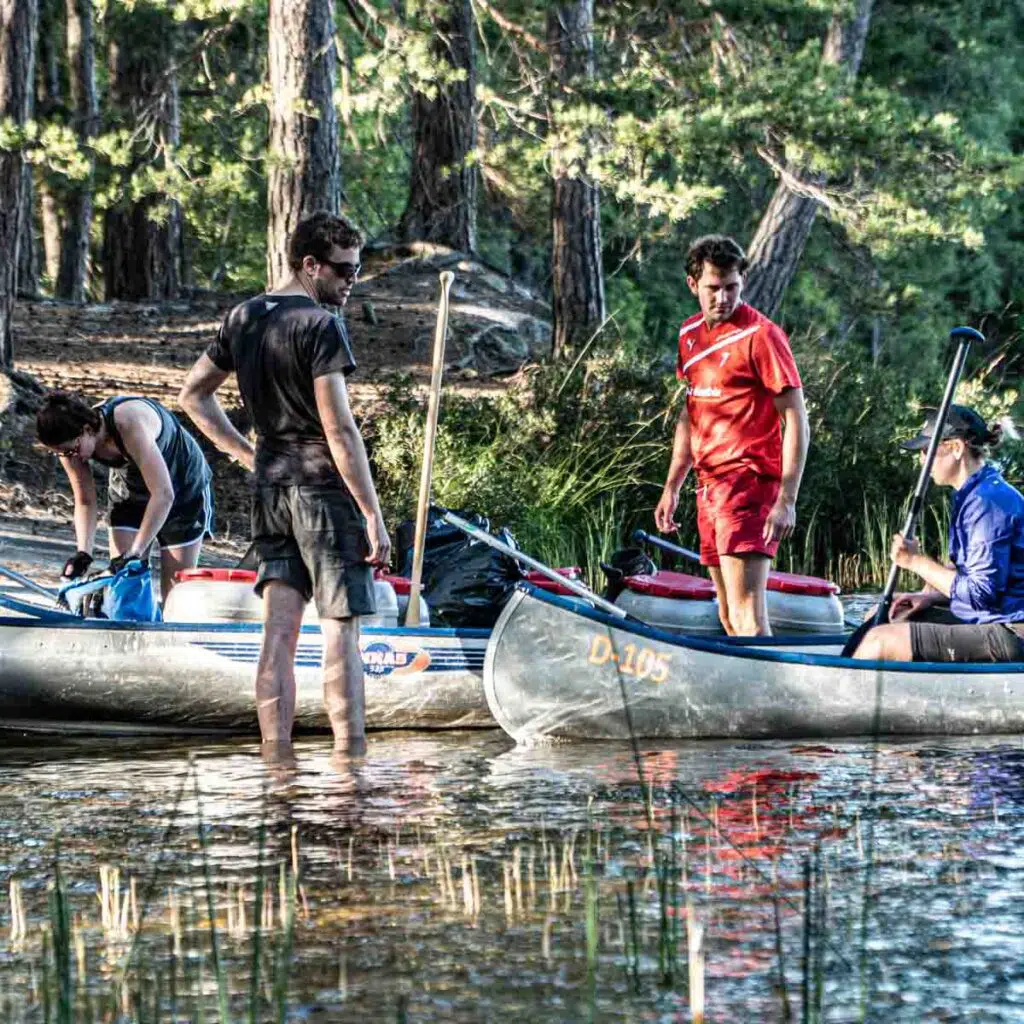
(453, 877)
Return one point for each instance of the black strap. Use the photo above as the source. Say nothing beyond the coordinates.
(108, 418)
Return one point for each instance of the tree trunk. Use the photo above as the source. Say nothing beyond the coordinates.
(49, 103)
(74, 250)
(303, 169)
(142, 240)
(17, 66)
(577, 276)
(444, 178)
(786, 225)
(28, 251)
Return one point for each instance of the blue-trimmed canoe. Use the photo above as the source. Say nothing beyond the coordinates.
(557, 668)
(63, 673)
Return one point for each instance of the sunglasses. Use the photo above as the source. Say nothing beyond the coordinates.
(72, 451)
(346, 271)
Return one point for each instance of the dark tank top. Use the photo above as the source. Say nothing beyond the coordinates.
(189, 472)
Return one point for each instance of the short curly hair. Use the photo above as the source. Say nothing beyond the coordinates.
(63, 416)
(720, 251)
(318, 234)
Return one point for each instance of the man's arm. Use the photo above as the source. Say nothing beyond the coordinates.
(199, 399)
(349, 456)
(682, 460)
(796, 438)
(83, 488)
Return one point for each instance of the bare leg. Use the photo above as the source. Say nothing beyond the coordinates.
(723, 598)
(275, 672)
(344, 693)
(172, 560)
(745, 578)
(886, 643)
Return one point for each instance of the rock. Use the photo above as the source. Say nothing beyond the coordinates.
(369, 313)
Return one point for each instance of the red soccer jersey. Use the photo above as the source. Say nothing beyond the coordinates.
(734, 371)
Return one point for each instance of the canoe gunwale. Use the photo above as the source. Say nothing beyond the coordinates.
(55, 618)
(747, 648)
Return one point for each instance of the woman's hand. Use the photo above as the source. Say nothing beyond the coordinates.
(76, 565)
(903, 551)
(905, 606)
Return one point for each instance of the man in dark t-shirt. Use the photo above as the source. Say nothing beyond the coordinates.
(316, 520)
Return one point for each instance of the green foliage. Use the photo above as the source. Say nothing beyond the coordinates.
(691, 114)
(574, 462)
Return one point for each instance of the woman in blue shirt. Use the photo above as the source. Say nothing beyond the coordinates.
(972, 610)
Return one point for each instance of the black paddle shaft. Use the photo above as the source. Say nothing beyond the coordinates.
(643, 537)
(963, 336)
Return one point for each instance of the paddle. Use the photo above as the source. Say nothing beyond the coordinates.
(963, 336)
(577, 588)
(28, 584)
(643, 537)
(412, 613)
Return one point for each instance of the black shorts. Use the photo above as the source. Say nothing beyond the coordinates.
(186, 523)
(312, 537)
(936, 634)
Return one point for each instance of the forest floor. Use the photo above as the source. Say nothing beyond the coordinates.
(102, 349)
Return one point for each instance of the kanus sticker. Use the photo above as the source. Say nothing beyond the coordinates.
(381, 659)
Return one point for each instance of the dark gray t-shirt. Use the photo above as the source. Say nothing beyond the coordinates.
(277, 345)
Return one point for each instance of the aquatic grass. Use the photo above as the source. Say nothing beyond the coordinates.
(218, 970)
(60, 933)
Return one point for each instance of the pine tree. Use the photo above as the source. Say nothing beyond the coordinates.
(303, 172)
(17, 64)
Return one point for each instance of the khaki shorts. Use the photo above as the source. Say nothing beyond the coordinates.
(313, 538)
(936, 634)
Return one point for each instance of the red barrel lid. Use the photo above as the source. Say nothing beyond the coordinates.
(216, 575)
(542, 582)
(811, 586)
(402, 584)
(671, 584)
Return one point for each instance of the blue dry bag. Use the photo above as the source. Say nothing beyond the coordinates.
(129, 596)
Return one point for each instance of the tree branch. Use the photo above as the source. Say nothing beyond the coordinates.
(510, 26)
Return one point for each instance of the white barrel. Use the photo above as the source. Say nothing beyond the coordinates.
(678, 615)
(804, 613)
(234, 600)
(213, 600)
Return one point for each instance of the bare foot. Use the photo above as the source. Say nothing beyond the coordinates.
(279, 754)
(352, 746)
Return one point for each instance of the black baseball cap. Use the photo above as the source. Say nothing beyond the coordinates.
(960, 422)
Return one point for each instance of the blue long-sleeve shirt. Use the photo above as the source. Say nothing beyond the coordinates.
(986, 546)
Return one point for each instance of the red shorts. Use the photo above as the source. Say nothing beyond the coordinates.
(731, 513)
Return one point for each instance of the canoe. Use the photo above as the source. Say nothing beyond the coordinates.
(557, 668)
(63, 673)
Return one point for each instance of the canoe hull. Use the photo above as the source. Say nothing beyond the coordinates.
(556, 668)
(73, 674)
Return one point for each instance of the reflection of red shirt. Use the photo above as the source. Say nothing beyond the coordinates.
(734, 371)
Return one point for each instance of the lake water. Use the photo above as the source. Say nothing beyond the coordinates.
(453, 877)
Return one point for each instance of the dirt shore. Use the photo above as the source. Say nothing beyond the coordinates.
(146, 349)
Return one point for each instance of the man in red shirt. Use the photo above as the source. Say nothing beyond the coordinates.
(743, 429)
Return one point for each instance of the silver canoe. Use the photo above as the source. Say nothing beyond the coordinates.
(59, 672)
(558, 668)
